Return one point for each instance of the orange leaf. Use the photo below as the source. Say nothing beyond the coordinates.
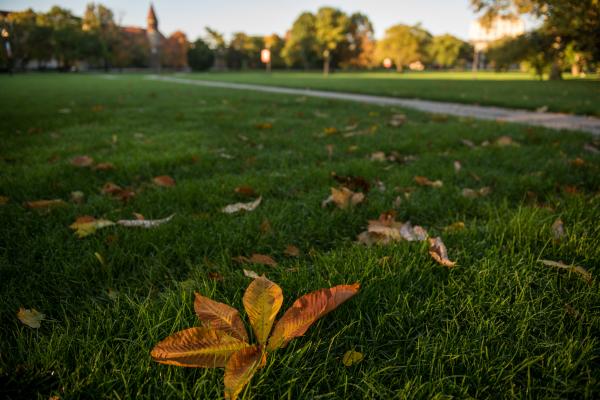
(220, 317)
(240, 369)
(245, 191)
(198, 348)
(262, 302)
(291, 251)
(164, 181)
(307, 310)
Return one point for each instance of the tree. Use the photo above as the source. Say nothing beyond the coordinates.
(331, 29)
(301, 42)
(200, 56)
(275, 44)
(216, 42)
(175, 51)
(66, 36)
(404, 44)
(98, 21)
(24, 36)
(571, 22)
(358, 51)
(446, 51)
(244, 51)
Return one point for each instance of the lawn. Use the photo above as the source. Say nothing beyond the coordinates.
(498, 325)
(512, 90)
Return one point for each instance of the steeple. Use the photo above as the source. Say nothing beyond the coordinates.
(152, 20)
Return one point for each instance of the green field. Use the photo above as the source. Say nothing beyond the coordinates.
(498, 325)
(512, 90)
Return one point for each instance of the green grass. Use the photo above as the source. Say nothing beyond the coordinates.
(493, 327)
(512, 90)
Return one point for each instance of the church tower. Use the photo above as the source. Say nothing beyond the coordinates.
(154, 39)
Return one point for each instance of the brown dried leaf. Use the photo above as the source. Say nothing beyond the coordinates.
(105, 166)
(344, 198)
(219, 316)
(291, 251)
(198, 348)
(82, 161)
(438, 252)
(45, 204)
(584, 273)
(474, 194)
(424, 181)
(164, 181)
(32, 318)
(558, 230)
(246, 191)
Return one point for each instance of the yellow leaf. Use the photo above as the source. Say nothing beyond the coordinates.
(220, 317)
(344, 198)
(240, 369)
(262, 302)
(32, 318)
(352, 357)
(197, 347)
(86, 226)
(306, 311)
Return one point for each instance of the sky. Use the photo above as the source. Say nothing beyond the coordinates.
(262, 17)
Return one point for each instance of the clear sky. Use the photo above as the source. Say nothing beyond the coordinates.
(260, 17)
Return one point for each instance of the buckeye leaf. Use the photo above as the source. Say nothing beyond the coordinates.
(219, 316)
(240, 369)
(262, 302)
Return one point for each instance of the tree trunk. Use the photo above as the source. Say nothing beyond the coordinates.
(326, 63)
(555, 72)
(399, 67)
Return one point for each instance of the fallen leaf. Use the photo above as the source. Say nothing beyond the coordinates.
(457, 166)
(474, 194)
(139, 216)
(343, 198)
(352, 182)
(378, 156)
(386, 230)
(424, 181)
(256, 259)
(264, 125)
(144, 223)
(558, 230)
(351, 358)
(237, 207)
(251, 274)
(291, 251)
(164, 181)
(468, 143)
(4, 200)
(504, 141)
(455, 227)
(87, 225)
(45, 204)
(331, 131)
(32, 318)
(578, 162)
(215, 346)
(438, 252)
(397, 120)
(82, 161)
(105, 166)
(219, 316)
(245, 191)
(117, 191)
(78, 197)
(215, 276)
(584, 273)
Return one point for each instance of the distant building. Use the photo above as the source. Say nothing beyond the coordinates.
(155, 39)
(481, 36)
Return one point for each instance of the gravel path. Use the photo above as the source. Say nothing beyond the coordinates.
(544, 119)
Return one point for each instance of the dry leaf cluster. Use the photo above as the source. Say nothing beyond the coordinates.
(222, 341)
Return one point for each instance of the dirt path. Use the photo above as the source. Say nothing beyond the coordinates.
(545, 119)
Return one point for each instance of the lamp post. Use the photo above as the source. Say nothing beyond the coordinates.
(265, 58)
